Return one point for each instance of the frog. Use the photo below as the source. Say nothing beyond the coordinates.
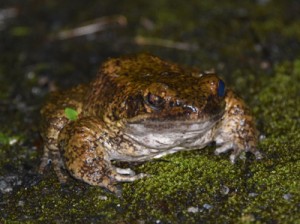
(139, 108)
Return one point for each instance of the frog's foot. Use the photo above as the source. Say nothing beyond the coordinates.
(58, 166)
(53, 156)
(236, 151)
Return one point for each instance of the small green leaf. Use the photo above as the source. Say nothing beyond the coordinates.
(71, 113)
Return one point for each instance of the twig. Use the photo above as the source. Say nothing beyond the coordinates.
(165, 43)
(92, 27)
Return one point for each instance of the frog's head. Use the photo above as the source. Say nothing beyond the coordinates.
(178, 98)
(174, 110)
(147, 90)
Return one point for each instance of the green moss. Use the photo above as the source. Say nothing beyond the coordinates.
(9, 148)
(50, 201)
(185, 180)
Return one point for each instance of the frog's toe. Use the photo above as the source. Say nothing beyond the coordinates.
(258, 155)
(118, 191)
(115, 189)
(224, 148)
(126, 171)
(61, 176)
(126, 178)
(233, 157)
(227, 147)
(45, 163)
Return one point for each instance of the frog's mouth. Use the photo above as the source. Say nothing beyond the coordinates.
(158, 134)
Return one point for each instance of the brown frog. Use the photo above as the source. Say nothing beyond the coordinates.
(140, 108)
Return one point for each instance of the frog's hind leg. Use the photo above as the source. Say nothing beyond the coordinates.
(85, 144)
(52, 153)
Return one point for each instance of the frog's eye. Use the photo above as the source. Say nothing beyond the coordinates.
(221, 88)
(154, 101)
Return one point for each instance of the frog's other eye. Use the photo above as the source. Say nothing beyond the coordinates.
(221, 88)
(154, 101)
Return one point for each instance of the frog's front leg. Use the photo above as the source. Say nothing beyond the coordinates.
(85, 146)
(52, 127)
(237, 129)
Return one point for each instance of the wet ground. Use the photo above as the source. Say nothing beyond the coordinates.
(50, 45)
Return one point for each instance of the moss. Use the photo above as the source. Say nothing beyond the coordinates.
(185, 180)
(50, 201)
(9, 148)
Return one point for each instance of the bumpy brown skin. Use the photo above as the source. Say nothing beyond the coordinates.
(139, 108)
